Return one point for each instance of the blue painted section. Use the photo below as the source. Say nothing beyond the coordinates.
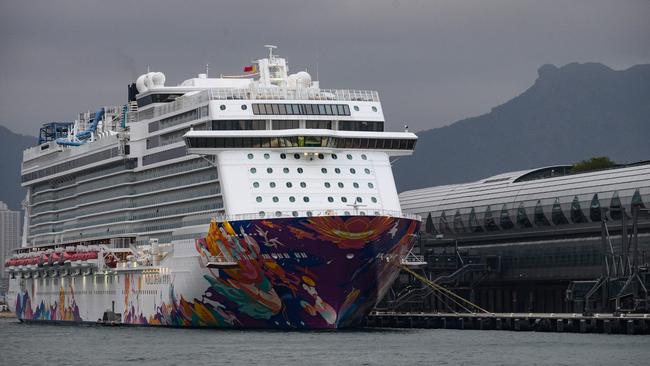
(82, 136)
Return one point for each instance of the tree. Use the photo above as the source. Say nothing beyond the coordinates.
(596, 163)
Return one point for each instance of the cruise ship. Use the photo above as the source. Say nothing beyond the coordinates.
(249, 201)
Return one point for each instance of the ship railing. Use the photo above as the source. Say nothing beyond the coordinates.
(193, 101)
(315, 213)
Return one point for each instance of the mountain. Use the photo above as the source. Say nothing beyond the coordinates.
(11, 150)
(570, 113)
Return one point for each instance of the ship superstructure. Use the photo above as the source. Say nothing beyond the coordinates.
(255, 201)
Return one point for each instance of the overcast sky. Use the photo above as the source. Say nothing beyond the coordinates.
(433, 62)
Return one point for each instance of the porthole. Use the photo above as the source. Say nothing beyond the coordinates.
(374, 109)
(324, 170)
(355, 185)
(292, 199)
(272, 184)
(356, 108)
(244, 107)
(366, 170)
(353, 171)
(275, 199)
(256, 184)
(294, 213)
(370, 185)
(330, 199)
(373, 199)
(341, 185)
(321, 156)
(347, 213)
(359, 199)
(377, 213)
(337, 171)
(258, 199)
(278, 213)
(250, 156)
(286, 170)
(253, 170)
(261, 213)
(269, 170)
(343, 199)
(289, 185)
(334, 157)
(303, 184)
(296, 156)
(306, 199)
(310, 214)
(364, 157)
(362, 213)
(327, 184)
(349, 156)
(283, 156)
(222, 107)
(267, 156)
(299, 170)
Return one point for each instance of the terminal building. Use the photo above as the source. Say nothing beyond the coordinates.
(539, 240)
(9, 239)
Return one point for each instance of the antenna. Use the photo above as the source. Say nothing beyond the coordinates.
(207, 70)
(147, 68)
(271, 48)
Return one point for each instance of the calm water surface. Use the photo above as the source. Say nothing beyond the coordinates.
(22, 344)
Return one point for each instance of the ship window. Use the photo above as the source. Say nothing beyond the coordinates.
(269, 170)
(294, 213)
(250, 156)
(334, 157)
(349, 156)
(327, 184)
(278, 213)
(244, 107)
(253, 170)
(296, 156)
(299, 170)
(292, 199)
(310, 214)
(373, 199)
(261, 213)
(275, 199)
(286, 170)
(289, 185)
(355, 185)
(258, 199)
(341, 185)
(267, 156)
(222, 107)
(324, 170)
(377, 126)
(364, 157)
(367, 170)
(303, 184)
(272, 184)
(370, 185)
(256, 184)
(283, 156)
(337, 171)
(374, 109)
(343, 199)
(359, 199)
(356, 108)
(325, 125)
(306, 199)
(353, 171)
(284, 124)
(330, 199)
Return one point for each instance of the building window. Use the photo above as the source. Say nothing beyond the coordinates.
(595, 213)
(577, 216)
(539, 218)
(522, 218)
(557, 216)
(504, 219)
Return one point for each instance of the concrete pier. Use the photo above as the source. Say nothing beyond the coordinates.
(538, 322)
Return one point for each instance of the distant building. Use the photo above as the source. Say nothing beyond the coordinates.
(9, 239)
